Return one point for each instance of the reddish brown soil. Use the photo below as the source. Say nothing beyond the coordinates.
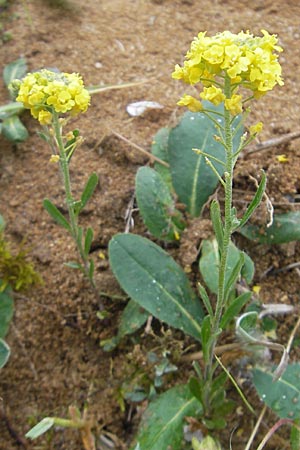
(56, 358)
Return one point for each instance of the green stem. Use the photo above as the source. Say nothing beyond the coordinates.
(221, 300)
(76, 235)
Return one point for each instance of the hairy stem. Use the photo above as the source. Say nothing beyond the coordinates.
(76, 235)
(221, 300)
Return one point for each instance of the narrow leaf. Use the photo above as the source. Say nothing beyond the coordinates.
(205, 298)
(234, 309)
(88, 241)
(233, 275)
(285, 228)
(13, 129)
(73, 265)
(205, 336)
(163, 421)
(89, 189)
(4, 353)
(215, 215)
(255, 201)
(56, 214)
(15, 70)
(40, 428)
(156, 282)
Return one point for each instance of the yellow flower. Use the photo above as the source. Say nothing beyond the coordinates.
(255, 129)
(234, 104)
(282, 158)
(54, 158)
(193, 104)
(249, 61)
(213, 94)
(61, 92)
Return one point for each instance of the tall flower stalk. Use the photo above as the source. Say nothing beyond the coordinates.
(227, 66)
(51, 98)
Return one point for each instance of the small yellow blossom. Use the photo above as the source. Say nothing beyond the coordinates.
(46, 91)
(256, 289)
(255, 129)
(176, 235)
(54, 158)
(192, 103)
(213, 94)
(44, 117)
(234, 104)
(282, 158)
(248, 61)
(101, 255)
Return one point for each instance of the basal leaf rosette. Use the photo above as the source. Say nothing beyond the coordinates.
(249, 62)
(46, 92)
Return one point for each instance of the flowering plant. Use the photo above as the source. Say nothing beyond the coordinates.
(232, 69)
(51, 96)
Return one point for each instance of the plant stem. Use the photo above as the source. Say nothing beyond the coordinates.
(75, 233)
(221, 300)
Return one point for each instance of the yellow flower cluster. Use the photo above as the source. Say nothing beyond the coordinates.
(248, 61)
(47, 91)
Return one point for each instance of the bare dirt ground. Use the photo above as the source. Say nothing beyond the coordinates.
(55, 339)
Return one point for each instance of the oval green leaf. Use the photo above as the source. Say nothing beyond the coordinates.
(156, 282)
(193, 180)
(13, 129)
(15, 70)
(283, 395)
(163, 421)
(156, 205)
(285, 228)
(4, 353)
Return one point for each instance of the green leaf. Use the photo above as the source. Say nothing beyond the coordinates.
(6, 311)
(283, 395)
(89, 189)
(88, 241)
(156, 282)
(4, 353)
(2, 223)
(133, 317)
(285, 228)
(10, 109)
(15, 70)
(163, 421)
(40, 428)
(159, 148)
(156, 205)
(234, 309)
(206, 335)
(13, 129)
(234, 274)
(205, 298)
(215, 215)
(209, 264)
(295, 435)
(255, 201)
(74, 265)
(193, 180)
(56, 214)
